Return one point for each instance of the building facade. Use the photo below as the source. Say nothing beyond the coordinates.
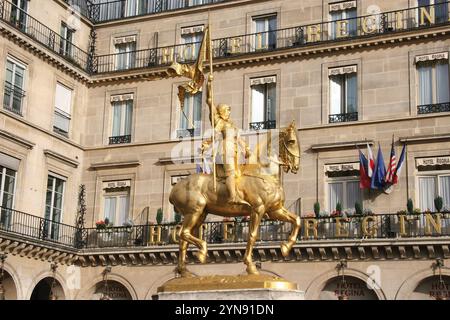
(87, 101)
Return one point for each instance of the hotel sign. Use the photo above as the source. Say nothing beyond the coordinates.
(342, 167)
(436, 161)
(433, 56)
(117, 184)
(342, 6)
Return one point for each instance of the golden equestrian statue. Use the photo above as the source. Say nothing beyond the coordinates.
(239, 189)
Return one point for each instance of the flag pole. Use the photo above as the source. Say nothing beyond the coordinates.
(213, 108)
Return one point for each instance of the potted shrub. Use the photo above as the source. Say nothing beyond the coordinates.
(177, 218)
(317, 209)
(438, 203)
(159, 216)
(410, 206)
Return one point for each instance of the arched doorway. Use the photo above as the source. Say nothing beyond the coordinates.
(432, 288)
(350, 289)
(48, 289)
(112, 290)
(9, 287)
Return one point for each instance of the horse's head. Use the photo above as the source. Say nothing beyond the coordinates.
(290, 149)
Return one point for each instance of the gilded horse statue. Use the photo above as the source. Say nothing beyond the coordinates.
(194, 197)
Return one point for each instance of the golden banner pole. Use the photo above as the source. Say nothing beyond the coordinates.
(213, 108)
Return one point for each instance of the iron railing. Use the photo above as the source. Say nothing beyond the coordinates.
(343, 117)
(120, 9)
(386, 226)
(434, 108)
(281, 39)
(33, 227)
(84, 7)
(42, 34)
(13, 98)
(380, 226)
(264, 125)
(120, 139)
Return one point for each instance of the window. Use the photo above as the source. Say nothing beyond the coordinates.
(63, 104)
(191, 117)
(8, 172)
(191, 38)
(14, 84)
(432, 186)
(343, 94)
(346, 192)
(263, 103)
(266, 35)
(54, 205)
(66, 40)
(136, 7)
(122, 115)
(19, 13)
(433, 79)
(437, 10)
(117, 206)
(346, 13)
(126, 53)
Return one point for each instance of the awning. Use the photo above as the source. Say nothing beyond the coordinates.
(435, 161)
(342, 70)
(117, 184)
(433, 56)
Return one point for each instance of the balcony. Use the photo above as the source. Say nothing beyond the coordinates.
(120, 139)
(380, 226)
(13, 98)
(36, 228)
(188, 133)
(31, 27)
(434, 108)
(116, 10)
(282, 39)
(343, 117)
(265, 125)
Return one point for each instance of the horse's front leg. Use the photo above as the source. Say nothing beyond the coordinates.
(283, 214)
(255, 221)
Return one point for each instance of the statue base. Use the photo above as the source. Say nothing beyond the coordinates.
(241, 287)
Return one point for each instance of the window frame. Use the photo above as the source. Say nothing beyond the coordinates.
(66, 41)
(191, 107)
(49, 220)
(123, 116)
(62, 113)
(265, 45)
(345, 180)
(16, 63)
(127, 58)
(266, 110)
(117, 194)
(436, 175)
(332, 31)
(344, 106)
(434, 80)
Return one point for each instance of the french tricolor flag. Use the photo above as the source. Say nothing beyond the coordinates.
(364, 180)
(399, 165)
(371, 160)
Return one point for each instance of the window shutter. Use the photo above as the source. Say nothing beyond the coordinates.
(63, 98)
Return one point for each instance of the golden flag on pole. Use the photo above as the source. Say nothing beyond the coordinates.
(193, 72)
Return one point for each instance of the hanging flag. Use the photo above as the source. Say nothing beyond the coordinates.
(193, 72)
(364, 180)
(392, 167)
(371, 165)
(401, 160)
(379, 172)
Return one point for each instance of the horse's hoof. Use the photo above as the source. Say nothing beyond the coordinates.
(201, 257)
(252, 270)
(285, 249)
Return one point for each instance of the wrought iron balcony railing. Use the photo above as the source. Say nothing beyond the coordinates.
(37, 228)
(42, 34)
(379, 226)
(434, 108)
(116, 10)
(13, 98)
(343, 117)
(120, 139)
(188, 133)
(264, 125)
(281, 39)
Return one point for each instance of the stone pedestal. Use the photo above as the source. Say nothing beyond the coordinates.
(242, 287)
